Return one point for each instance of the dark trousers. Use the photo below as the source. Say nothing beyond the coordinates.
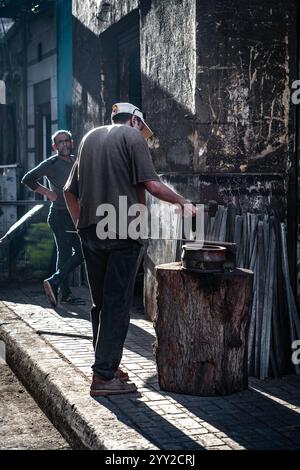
(68, 248)
(112, 267)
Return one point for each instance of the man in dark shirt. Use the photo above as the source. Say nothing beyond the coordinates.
(113, 163)
(57, 169)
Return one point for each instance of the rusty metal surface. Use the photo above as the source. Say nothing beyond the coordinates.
(208, 257)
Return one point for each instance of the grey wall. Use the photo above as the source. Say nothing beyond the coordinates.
(216, 80)
(168, 55)
(91, 18)
(216, 87)
(216, 83)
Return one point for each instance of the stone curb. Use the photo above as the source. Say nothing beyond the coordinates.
(62, 391)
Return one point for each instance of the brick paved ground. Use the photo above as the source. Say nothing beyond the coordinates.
(266, 416)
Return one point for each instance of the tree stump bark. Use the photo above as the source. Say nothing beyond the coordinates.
(201, 327)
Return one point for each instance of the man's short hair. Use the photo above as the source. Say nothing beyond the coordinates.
(60, 131)
(121, 118)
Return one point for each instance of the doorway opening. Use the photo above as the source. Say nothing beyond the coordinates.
(121, 65)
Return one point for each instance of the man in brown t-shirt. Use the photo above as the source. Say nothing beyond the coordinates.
(114, 166)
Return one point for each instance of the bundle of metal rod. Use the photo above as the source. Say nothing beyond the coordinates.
(215, 227)
(292, 309)
(261, 247)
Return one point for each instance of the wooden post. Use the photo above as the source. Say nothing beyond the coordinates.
(201, 327)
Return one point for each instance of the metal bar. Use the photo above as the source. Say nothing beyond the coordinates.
(231, 214)
(260, 294)
(282, 344)
(286, 275)
(23, 219)
(268, 304)
(266, 239)
(276, 349)
(11, 165)
(222, 234)
(206, 224)
(217, 225)
(24, 203)
(237, 236)
(224, 175)
(251, 332)
(253, 253)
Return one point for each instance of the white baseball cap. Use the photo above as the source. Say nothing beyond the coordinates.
(129, 108)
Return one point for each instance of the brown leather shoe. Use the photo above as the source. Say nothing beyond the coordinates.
(120, 374)
(115, 386)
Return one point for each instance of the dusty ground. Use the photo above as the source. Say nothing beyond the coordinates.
(22, 423)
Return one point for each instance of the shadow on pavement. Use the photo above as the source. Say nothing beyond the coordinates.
(251, 419)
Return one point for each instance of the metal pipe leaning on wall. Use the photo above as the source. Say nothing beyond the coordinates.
(292, 309)
(261, 247)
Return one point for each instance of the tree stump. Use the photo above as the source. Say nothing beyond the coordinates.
(201, 327)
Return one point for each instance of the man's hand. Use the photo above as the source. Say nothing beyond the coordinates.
(187, 209)
(52, 196)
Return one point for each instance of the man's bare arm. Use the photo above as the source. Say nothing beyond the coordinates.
(163, 192)
(73, 206)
